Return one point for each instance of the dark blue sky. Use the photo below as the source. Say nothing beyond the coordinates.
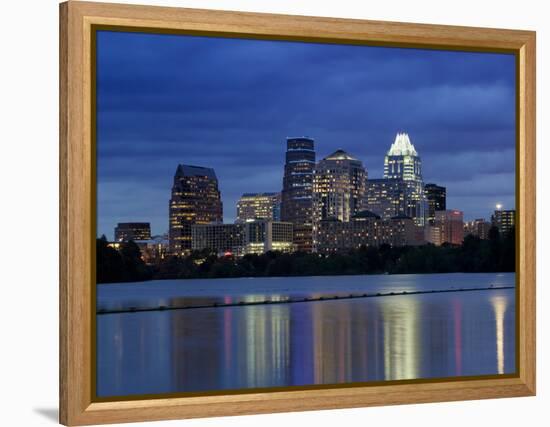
(229, 104)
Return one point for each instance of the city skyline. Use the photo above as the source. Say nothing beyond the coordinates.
(141, 142)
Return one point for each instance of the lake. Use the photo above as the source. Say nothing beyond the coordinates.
(428, 335)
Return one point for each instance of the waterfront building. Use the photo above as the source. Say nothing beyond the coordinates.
(263, 236)
(436, 197)
(504, 220)
(241, 238)
(451, 226)
(126, 231)
(220, 238)
(478, 227)
(252, 206)
(195, 199)
(401, 191)
(296, 196)
(366, 229)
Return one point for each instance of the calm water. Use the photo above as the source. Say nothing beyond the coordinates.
(324, 342)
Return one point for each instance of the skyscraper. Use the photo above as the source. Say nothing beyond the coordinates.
(402, 184)
(338, 187)
(296, 197)
(195, 199)
(252, 206)
(402, 160)
(437, 200)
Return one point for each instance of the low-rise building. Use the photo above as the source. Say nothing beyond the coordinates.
(366, 229)
(126, 231)
(251, 237)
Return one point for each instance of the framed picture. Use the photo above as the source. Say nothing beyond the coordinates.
(265, 213)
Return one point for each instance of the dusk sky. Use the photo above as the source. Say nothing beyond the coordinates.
(229, 104)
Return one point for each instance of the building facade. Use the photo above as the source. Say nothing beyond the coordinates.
(504, 220)
(451, 226)
(220, 238)
(366, 229)
(436, 197)
(251, 237)
(126, 231)
(253, 206)
(195, 199)
(297, 193)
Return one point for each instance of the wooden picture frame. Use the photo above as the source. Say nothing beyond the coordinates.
(77, 203)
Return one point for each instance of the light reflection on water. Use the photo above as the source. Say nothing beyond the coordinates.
(326, 342)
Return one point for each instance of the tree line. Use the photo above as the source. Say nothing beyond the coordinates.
(495, 254)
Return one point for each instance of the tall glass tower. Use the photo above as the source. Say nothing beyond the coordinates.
(195, 199)
(296, 197)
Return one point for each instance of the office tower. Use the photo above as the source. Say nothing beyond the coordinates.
(504, 220)
(402, 160)
(296, 197)
(386, 197)
(437, 200)
(338, 187)
(451, 226)
(126, 231)
(401, 191)
(195, 199)
(252, 206)
(478, 228)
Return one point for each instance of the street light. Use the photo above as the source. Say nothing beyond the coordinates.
(499, 206)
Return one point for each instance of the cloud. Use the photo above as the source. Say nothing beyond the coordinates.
(229, 104)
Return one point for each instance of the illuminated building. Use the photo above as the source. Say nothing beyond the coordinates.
(296, 196)
(253, 206)
(195, 200)
(264, 236)
(251, 237)
(451, 226)
(402, 160)
(504, 220)
(126, 231)
(401, 191)
(432, 234)
(220, 238)
(338, 187)
(436, 197)
(385, 197)
(366, 229)
(478, 227)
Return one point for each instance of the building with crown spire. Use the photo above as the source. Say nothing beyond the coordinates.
(401, 191)
(402, 160)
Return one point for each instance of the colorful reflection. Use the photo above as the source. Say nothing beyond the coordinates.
(325, 342)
